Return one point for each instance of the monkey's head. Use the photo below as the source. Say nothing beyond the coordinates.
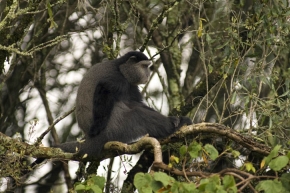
(136, 68)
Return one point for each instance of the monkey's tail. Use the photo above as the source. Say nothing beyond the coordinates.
(92, 146)
(70, 147)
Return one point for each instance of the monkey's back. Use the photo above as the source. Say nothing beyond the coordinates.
(85, 94)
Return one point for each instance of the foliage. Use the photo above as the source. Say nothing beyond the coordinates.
(93, 184)
(221, 182)
(161, 182)
(274, 161)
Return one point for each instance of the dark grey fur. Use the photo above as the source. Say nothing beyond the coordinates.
(109, 106)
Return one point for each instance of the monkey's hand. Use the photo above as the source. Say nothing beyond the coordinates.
(175, 121)
(180, 121)
(184, 121)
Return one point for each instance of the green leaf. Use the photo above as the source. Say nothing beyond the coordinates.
(143, 182)
(156, 186)
(163, 178)
(249, 167)
(212, 152)
(229, 183)
(175, 187)
(50, 13)
(202, 184)
(235, 153)
(221, 191)
(214, 182)
(208, 38)
(99, 181)
(183, 150)
(80, 187)
(287, 13)
(174, 159)
(210, 68)
(194, 149)
(279, 163)
(49, 10)
(269, 186)
(269, 135)
(288, 154)
(285, 179)
(145, 189)
(96, 189)
(210, 184)
(272, 154)
(234, 98)
(187, 188)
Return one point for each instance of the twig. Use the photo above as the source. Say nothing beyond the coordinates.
(157, 21)
(39, 139)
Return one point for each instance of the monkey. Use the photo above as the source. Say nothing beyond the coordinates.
(110, 107)
(108, 91)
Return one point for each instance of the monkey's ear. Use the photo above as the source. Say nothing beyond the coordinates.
(133, 57)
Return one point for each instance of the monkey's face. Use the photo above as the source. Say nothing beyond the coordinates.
(142, 71)
(136, 72)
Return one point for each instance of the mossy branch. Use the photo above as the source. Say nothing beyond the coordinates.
(114, 148)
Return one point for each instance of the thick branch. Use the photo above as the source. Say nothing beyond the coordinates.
(215, 128)
(134, 148)
(17, 146)
(117, 148)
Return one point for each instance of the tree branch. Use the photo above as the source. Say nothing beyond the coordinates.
(113, 148)
(23, 148)
(215, 128)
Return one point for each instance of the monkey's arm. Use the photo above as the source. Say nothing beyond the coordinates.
(104, 101)
(176, 121)
(105, 96)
